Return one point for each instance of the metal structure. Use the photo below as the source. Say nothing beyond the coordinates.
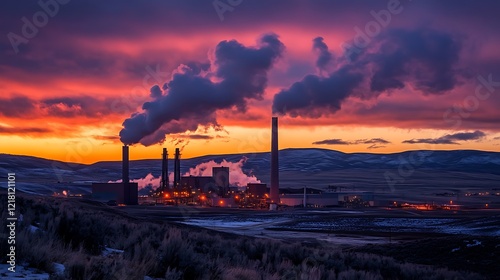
(164, 170)
(177, 168)
(274, 191)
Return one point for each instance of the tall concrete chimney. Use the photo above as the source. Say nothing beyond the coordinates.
(164, 170)
(177, 168)
(274, 195)
(125, 176)
(305, 202)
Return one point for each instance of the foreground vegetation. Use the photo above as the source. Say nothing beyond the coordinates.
(75, 233)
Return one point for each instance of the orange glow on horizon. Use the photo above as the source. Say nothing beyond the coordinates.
(86, 149)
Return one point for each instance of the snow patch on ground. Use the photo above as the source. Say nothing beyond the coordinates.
(476, 243)
(59, 268)
(22, 273)
(110, 251)
(33, 229)
(221, 223)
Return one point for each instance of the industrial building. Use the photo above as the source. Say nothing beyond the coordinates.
(227, 202)
(200, 183)
(257, 189)
(124, 192)
(221, 177)
(310, 200)
(119, 192)
(216, 191)
(328, 199)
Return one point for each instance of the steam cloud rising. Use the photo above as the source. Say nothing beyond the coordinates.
(149, 179)
(236, 175)
(195, 92)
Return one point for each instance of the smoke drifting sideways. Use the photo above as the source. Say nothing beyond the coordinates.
(196, 91)
(236, 175)
(424, 59)
(148, 181)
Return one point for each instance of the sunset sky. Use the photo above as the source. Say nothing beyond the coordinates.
(79, 77)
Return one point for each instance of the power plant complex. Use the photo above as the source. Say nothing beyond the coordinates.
(216, 190)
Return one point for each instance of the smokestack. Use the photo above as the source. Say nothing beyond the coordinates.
(164, 170)
(177, 168)
(274, 163)
(125, 177)
(305, 203)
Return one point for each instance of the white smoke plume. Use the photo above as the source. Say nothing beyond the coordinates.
(147, 180)
(236, 175)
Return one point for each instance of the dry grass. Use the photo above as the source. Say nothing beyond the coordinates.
(75, 235)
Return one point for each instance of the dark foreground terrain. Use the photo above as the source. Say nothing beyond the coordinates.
(93, 241)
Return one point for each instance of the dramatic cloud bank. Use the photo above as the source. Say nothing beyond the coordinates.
(21, 106)
(195, 93)
(424, 59)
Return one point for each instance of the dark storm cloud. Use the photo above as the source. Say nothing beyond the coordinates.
(56, 52)
(190, 99)
(373, 141)
(423, 58)
(449, 139)
(17, 106)
(105, 18)
(66, 107)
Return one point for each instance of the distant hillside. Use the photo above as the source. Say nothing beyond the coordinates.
(297, 167)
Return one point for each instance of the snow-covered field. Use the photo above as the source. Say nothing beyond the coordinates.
(22, 273)
(334, 229)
